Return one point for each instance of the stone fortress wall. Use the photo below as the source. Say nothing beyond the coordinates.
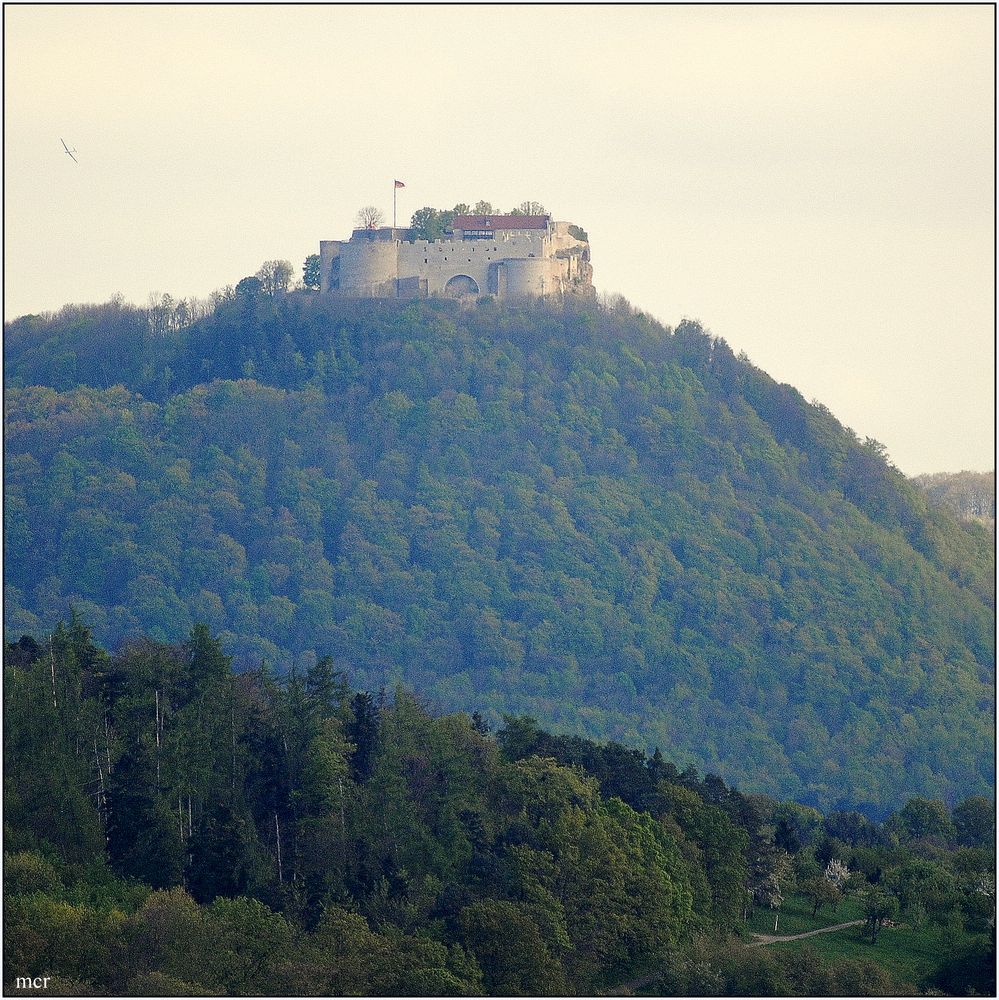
(506, 256)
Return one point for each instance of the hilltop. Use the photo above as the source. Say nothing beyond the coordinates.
(621, 528)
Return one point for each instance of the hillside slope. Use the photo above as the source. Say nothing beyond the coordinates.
(621, 529)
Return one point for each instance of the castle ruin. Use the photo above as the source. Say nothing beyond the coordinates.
(508, 256)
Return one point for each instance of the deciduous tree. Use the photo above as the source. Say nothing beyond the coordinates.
(369, 217)
(275, 276)
(878, 908)
(311, 276)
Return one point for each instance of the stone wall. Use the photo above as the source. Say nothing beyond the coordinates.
(442, 260)
(513, 264)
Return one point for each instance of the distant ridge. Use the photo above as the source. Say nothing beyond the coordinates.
(969, 495)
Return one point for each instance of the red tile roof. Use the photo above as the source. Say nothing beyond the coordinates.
(500, 222)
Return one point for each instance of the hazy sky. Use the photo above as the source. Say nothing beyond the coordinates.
(814, 184)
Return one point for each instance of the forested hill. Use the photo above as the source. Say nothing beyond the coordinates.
(174, 829)
(621, 529)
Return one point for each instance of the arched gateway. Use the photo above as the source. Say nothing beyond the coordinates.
(461, 285)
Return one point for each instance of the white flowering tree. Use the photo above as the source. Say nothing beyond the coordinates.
(771, 890)
(837, 873)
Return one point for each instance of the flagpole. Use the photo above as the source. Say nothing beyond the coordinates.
(396, 184)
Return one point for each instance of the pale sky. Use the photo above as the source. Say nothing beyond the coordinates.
(814, 184)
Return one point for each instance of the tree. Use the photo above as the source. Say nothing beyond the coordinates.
(819, 891)
(28, 872)
(529, 208)
(248, 940)
(771, 890)
(349, 954)
(369, 217)
(839, 876)
(879, 907)
(165, 932)
(921, 819)
(425, 224)
(852, 828)
(923, 887)
(798, 823)
(221, 855)
(482, 208)
(275, 276)
(519, 736)
(510, 949)
(326, 684)
(143, 841)
(208, 664)
(249, 287)
(311, 276)
(47, 725)
(974, 821)
(362, 731)
(969, 970)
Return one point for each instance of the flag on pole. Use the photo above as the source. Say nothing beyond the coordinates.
(397, 185)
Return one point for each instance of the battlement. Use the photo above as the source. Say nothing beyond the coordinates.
(508, 256)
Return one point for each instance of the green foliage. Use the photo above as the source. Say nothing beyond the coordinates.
(974, 821)
(435, 224)
(257, 837)
(430, 224)
(53, 725)
(27, 872)
(911, 957)
(166, 933)
(285, 809)
(311, 275)
(878, 907)
(576, 514)
(820, 892)
(249, 287)
(220, 854)
(924, 819)
(510, 949)
(970, 971)
(246, 939)
(275, 276)
(971, 496)
(728, 968)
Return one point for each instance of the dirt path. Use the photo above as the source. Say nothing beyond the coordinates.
(627, 989)
(761, 939)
